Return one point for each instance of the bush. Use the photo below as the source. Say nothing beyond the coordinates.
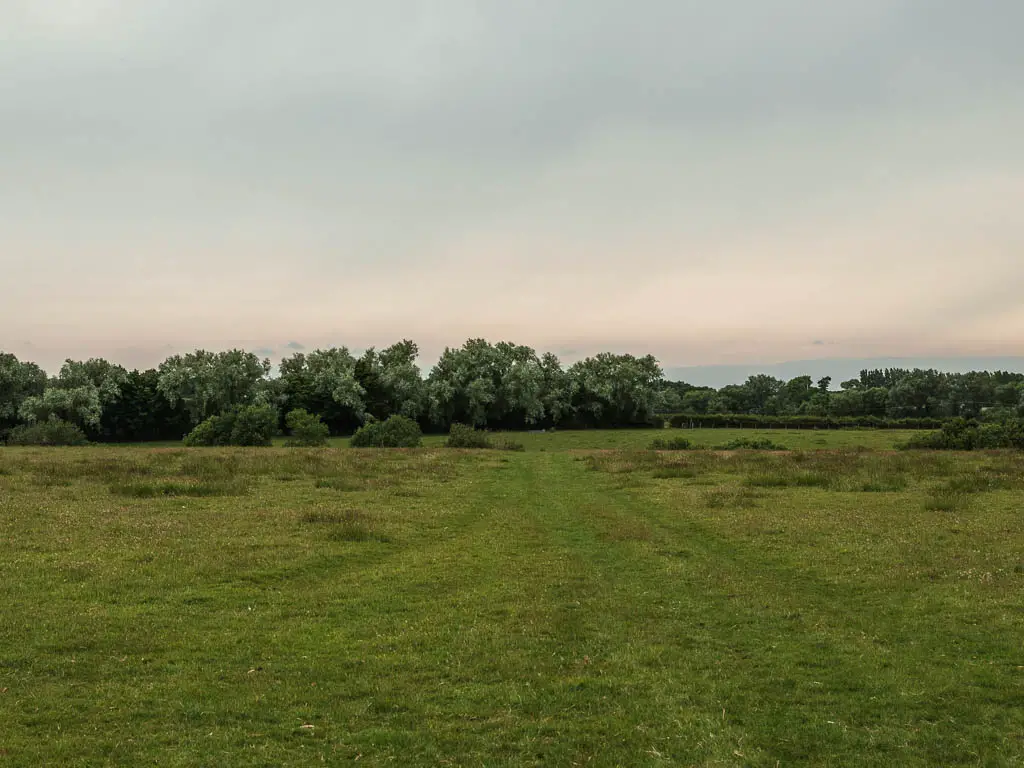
(307, 430)
(964, 435)
(393, 432)
(247, 425)
(210, 432)
(254, 425)
(755, 421)
(51, 432)
(752, 444)
(675, 444)
(464, 436)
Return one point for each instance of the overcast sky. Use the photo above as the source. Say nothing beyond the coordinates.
(713, 182)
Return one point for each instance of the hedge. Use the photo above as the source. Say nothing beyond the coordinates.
(752, 421)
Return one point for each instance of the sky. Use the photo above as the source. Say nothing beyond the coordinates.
(738, 182)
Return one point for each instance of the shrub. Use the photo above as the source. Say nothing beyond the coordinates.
(246, 425)
(963, 435)
(956, 435)
(1008, 434)
(393, 432)
(307, 430)
(675, 444)
(752, 421)
(50, 432)
(752, 444)
(254, 425)
(464, 436)
(208, 433)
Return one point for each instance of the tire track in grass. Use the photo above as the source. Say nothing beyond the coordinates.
(809, 653)
(620, 679)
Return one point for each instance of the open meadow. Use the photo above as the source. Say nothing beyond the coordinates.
(640, 439)
(583, 602)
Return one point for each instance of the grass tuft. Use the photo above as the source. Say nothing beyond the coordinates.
(788, 478)
(978, 482)
(672, 473)
(339, 483)
(674, 444)
(883, 483)
(752, 444)
(508, 444)
(346, 524)
(174, 488)
(946, 500)
(729, 497)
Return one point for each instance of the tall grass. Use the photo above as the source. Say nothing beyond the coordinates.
(345, 525)
(173, 488)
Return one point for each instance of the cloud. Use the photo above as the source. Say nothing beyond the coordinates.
(294, 345)
(704, 181)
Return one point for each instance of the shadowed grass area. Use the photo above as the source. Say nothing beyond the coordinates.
(730, 497)
(195, 488)
(445, 607)
(345, 524)
(638, 439)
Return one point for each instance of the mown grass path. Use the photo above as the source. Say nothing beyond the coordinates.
(446, 608)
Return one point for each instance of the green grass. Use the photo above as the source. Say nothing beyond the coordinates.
(638, 439)
(556, 607)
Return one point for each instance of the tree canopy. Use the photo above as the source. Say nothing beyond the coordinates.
(488, 385)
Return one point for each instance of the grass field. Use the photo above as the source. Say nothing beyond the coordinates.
(639, 439)
(268, 607)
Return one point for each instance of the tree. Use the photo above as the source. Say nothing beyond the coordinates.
(305, 429)
(392, 381)
(325, 382)
(761, 389)
(793, 396)
(208, 383)
(732, 398)
(77, 394)
(142, 413)
(18, 382)
(672, 393)
(501, 385)
(915, 394)
(109, 380)
(79, 406)
(698, 400)
(557, 390)
(849, 402)
(615, 390)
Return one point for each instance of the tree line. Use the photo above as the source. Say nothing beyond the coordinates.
(493, 386)
(502, 386)
(890, 394)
